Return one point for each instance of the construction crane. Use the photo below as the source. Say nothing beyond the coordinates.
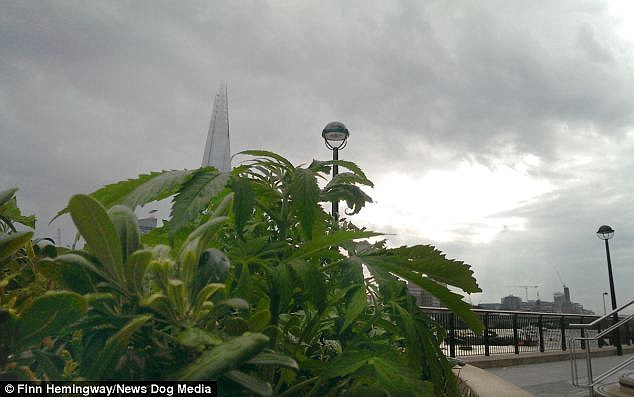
(526, 287)
(560, 280)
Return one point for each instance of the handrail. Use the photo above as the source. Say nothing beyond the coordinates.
(573, 360)
(607, 330)
(598, 320)
(611, 371)
(550, 314)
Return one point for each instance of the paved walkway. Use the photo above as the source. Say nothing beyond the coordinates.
(552, 379)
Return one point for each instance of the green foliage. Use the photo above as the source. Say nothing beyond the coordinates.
(194, 196)
(97, 228)
(250, 282)
(139, 191)
(29, 315)
(11, 214)
(244, 203)
(227, 355)
(127, 227)
(304, 194)
(47, 315)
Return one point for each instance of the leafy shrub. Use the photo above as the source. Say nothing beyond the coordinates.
(252, 283)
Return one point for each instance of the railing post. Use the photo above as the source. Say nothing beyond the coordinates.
(515, 337)
(540, 327)
(617, 335)
(452, 335)
(562, 325)
(583, 334)
(486, 334)
(599, 340)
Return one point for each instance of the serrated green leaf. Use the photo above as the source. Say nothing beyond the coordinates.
(319, 166)
(161, 185)
(150, 188)
(426, 259)
(354, 197)
(313, 281)
(348, 178)
(265, 153)
(194, 196)
(330, 240)
(347, 164)
(414, 348)
(355, 307)
(305, 195)
(226, 356)
(283, 283)
(452, 300)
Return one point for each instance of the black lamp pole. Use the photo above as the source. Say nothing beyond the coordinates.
(335, 171)
(335, 136)
(605, 233)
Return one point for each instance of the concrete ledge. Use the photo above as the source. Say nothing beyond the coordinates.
(507, 360)
(481, 383)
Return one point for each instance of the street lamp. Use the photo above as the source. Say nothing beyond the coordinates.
(335, 135)
(605, 233)
(604, 310)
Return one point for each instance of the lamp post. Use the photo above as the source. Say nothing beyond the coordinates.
(604, 310)
(335, 135)
(605, 233)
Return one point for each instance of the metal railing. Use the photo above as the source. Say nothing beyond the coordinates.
(615, 330)
(520, 332)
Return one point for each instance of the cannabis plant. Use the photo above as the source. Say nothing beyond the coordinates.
(252, 283)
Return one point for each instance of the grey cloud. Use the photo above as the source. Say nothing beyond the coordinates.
(99, 91)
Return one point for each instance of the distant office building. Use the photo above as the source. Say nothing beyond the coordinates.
(147, 224)
(217, 148)
(423, 298)
(561, 304)
(511, 302)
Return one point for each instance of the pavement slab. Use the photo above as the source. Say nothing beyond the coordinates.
(554, 379)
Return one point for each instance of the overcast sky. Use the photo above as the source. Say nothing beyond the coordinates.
(500, 131)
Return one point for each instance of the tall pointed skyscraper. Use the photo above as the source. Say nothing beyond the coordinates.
(217, 151)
